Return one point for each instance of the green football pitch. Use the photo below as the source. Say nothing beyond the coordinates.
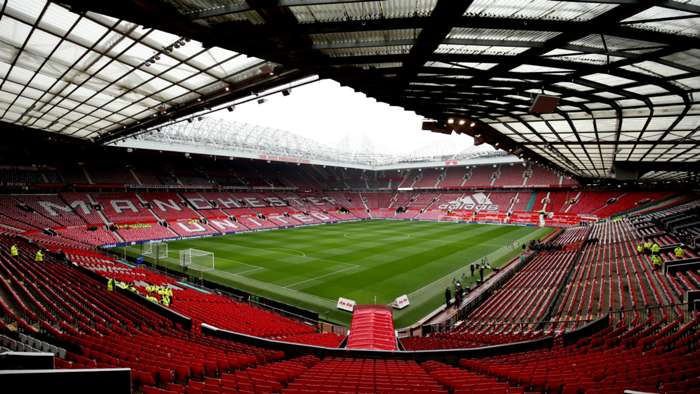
(367, 261)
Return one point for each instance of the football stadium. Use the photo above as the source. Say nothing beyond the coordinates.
(350, 196)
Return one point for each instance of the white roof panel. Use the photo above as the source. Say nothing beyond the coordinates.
(363, 10)
(540, 9)
(94, 72)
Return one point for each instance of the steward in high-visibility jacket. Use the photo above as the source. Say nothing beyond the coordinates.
(165, 300)
(647, 245)
(14, 251)
(678, 251)
(110, 284)
(39, 256)
(656, 261)
(640, 248)
(655, 249)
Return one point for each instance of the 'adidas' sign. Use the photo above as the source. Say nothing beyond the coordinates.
(477, 201)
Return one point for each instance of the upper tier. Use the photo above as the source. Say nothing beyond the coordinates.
(43, 165)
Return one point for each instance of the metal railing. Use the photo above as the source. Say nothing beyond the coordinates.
(677, 311)
(627, 316)
(511, 325)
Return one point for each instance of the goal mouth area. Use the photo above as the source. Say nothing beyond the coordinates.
(197, 260)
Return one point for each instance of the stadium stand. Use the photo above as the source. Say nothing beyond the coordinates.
(365, 375)
(123, 208)
(649, 356)
(453, 177)
(538, 176)
(481, 176)
(524, 300)
(597, 273)
(83, 205)
(168, 206)
(428, 178)
(144, 232)
(202, 307)
(118, 133)
(137, 215)
(510, 176)
(107, 329)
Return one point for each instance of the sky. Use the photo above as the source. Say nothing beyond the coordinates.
(338, 116)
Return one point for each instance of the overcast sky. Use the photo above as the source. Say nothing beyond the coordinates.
(340, 117)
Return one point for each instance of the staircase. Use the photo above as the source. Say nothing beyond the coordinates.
(578, 196)
(138, 180)
(466, 178)
(372, 328)
(144, 206)
(87, 176)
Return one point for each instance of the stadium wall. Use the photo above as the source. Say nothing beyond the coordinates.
(451, 356)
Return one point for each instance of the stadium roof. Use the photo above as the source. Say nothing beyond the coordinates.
(219, 137)
(627, 71)
(87, 74)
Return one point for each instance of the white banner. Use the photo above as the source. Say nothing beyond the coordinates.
(401, 302)
(346, 304)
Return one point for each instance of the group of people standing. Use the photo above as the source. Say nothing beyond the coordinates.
(153, 292)
(653, 249)
(459, 290)
(165, 293)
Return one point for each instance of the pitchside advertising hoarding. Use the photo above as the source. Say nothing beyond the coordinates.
(401, 302)
(346, 304)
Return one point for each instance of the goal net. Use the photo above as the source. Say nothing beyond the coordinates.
(198, 260)
(155, 250)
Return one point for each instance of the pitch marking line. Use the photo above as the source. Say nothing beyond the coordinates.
(292, 285)
(293, 252)
(254, 268)
(250, 270)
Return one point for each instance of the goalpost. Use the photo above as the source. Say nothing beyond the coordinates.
(157, 250)
(197, 260)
